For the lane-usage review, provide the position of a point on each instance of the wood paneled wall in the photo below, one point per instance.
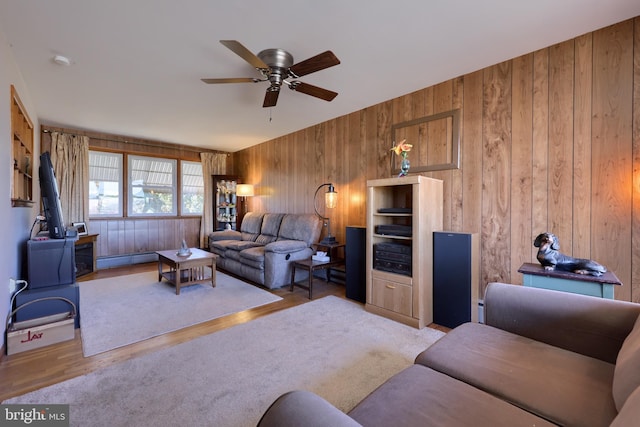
(550, 141)
(130, 236)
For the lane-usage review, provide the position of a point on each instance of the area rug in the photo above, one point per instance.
(330, 346)
(118, 311)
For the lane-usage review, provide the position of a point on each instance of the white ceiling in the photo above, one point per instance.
(137, 64)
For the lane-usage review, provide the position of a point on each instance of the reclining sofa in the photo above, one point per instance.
(265, 246)
(542, 358)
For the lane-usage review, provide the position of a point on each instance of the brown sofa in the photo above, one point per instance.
(542, 358)
(266, 245)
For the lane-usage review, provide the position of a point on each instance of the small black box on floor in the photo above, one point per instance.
(49, 307)
(51, 262)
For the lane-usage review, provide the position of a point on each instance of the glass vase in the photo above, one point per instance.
(405, 164)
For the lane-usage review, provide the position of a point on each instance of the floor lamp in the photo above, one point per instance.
(330, 201)
(244, 191)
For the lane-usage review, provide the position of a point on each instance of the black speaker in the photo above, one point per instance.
(355, 263)
(455, 276)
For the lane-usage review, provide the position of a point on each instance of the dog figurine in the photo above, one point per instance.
(551, 259)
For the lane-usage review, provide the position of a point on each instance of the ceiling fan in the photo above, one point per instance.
(276, 66)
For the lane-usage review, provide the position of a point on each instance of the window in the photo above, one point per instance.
(192, 188)
(152, 186)
(105, 184)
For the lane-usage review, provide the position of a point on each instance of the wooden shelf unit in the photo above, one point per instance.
(22, 153)
(225, 203)
(404, 298)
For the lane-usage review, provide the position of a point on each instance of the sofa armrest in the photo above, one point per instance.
(588, 325)
(278, 257)
(285, 246)
(225, 235)
(303, 408)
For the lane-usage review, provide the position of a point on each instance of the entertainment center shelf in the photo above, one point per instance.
(402, 214)
(389, 218)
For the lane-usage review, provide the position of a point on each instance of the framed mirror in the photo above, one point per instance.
(435, 140)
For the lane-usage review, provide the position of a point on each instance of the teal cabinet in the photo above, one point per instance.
(534, 275)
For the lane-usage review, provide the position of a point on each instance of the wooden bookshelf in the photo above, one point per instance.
(22, 153)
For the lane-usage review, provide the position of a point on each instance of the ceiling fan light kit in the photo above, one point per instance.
(276, 66)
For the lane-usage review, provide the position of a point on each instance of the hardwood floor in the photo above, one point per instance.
(31, 370)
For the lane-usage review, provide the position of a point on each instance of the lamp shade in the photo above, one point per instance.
(244, 190)
(330, 201)
(331, 198)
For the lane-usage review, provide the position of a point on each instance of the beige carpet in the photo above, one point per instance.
(330, 346)
(118, 311)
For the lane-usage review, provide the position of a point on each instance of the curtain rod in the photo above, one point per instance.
(146, 144)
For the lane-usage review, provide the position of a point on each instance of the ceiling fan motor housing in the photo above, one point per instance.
(279, 61)
(279, 58)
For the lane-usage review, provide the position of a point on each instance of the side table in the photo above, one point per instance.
(536, 276)
(333, 250)
(310, 265)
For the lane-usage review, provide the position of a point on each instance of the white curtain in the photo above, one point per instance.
(212, 164)
(70, 158)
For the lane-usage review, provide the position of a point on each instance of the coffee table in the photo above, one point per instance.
(187, 270)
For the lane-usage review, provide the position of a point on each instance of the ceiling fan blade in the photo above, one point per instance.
(316, 63)
(271, 97)
(231, 80)
(244, 53)
(312, 90)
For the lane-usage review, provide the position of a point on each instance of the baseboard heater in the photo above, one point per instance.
(123, 260)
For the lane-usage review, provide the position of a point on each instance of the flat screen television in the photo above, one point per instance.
(51, 198)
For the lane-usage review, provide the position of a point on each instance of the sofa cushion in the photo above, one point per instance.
(304, 227)
(225, 235)
(234, 255)
(419, 396)
(241, 245)
(630, 412)
(562, 386)
(253, 257)
(251, 225)
(286, 246)
(627, 373)
(270, 227)
(265, 239)
(219, 247)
